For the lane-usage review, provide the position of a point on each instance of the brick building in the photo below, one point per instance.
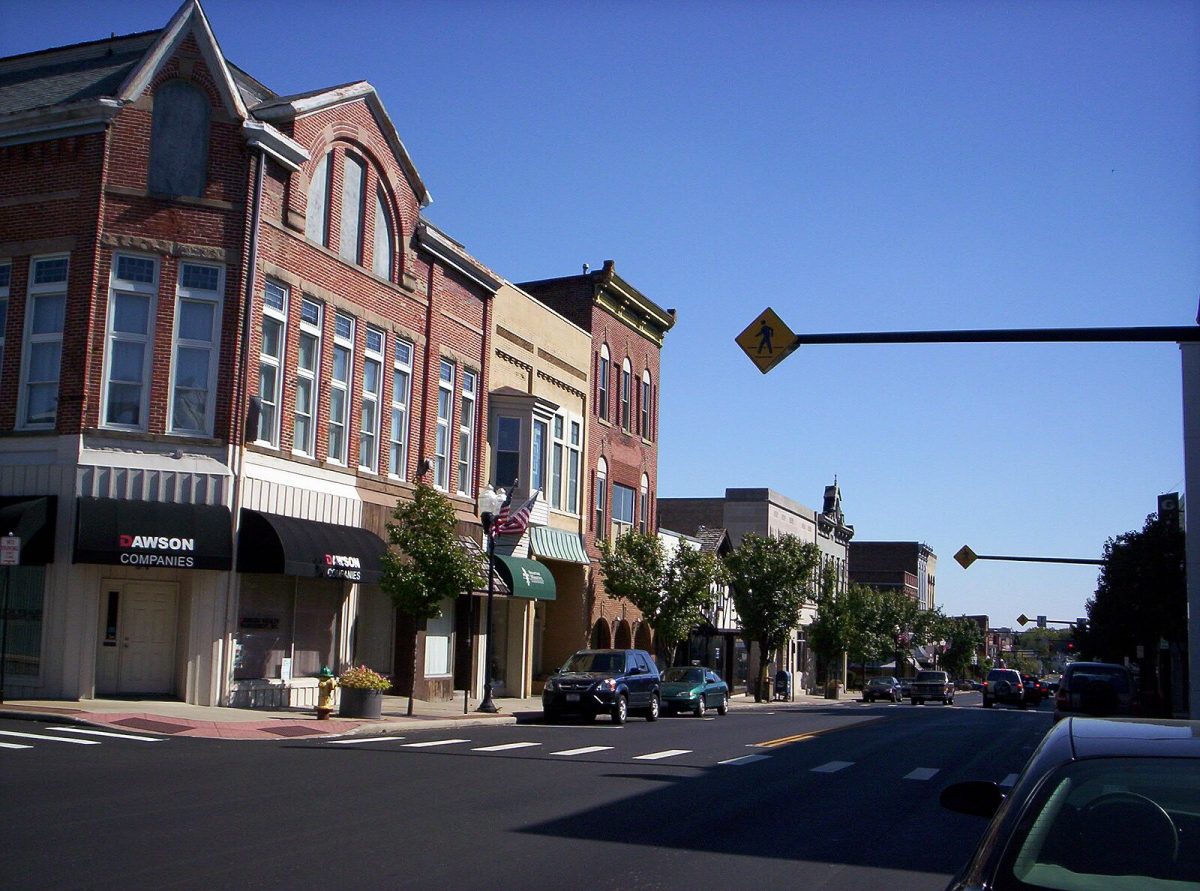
(627, 331)
(232, 344)
(907, 567)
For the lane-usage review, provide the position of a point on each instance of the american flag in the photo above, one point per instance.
(510, 522)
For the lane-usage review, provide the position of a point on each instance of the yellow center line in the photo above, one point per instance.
(801, 737)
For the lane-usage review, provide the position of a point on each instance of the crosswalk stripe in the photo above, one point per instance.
(922, 773)
(745, 759)
(586, 750)
(89, 732)
(435, 742)
(506, 747)
(356, 741)
(4, 745)
(77, 742)
(832, 766)
(656, 756)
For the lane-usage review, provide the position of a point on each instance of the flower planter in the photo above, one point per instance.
(356, 703)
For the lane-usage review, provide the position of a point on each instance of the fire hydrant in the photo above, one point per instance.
(325, 688)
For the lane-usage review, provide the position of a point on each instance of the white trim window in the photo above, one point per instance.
(507, 464)
(5, 279)
(574, 461)
(308, 371)
(602, 383)
(558, 454)
(401, 397)
(196, 348)
(270, 360)
(601, 520)
(339, 386)
(129, 342)
(644, 505)
(622, 508)
(537, 456)
(41, 362)
(466, 434)
(626, 395)
(645, 405)
(372, 390)
(445, 408)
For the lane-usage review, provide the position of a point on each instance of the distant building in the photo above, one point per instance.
(903, 566)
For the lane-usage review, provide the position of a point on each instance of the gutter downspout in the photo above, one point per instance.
(238, 446)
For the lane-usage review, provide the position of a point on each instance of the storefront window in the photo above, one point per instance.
(437, 641)
(24, 653)
(286, 617)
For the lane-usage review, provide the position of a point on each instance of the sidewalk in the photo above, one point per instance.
(172, 718)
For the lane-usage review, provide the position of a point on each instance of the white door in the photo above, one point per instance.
(146, 638)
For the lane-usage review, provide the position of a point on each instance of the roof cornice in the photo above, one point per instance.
(286, 151)
(56, 122)
(452, 254)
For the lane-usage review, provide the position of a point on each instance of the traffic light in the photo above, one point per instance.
(1169, 509)
(1070, 646)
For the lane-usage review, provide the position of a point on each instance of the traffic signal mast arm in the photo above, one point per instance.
(1143, 334)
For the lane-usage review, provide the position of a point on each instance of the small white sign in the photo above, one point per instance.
(10, 550)
(285, 669)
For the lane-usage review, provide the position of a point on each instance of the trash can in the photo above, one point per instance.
(783, 685)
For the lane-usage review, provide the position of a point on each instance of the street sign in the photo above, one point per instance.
(1022, 620)
(965, 557)
(767, 340)
(10, 550)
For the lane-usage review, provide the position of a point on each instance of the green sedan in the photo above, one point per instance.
(693, 689)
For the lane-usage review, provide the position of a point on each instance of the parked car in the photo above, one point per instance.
(930, 685)
(1094, 688)
(1102, 803)
(613, 682)
(882, 688)
(905, 687)
(1035, 690)
(1003, 685)
(694, 689)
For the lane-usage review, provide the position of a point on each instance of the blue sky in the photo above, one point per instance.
(857, 166)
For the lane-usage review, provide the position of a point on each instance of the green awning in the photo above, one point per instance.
(525, 578)
(557, 544)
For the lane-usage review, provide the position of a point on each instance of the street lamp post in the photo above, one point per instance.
(489, 503)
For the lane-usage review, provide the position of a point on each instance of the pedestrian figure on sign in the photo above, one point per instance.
(765, 333)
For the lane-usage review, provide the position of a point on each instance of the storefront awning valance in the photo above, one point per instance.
(475, 550)
(557, 544)
(153, 534)
(31, 520)
(526, 578)
(277, 544)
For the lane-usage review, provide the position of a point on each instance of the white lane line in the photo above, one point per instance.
(586, 750)
(1009, 780)
(505, 747)
(435, 742)
(355, 742)
(745, 759)
(832, 767)
(89, 732)
(668, 753)
(922, 773)
(78, 742)
(14, 746)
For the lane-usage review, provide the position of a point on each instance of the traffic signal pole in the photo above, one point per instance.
(1190, 353)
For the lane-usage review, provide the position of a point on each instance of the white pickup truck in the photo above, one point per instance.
(931, 685)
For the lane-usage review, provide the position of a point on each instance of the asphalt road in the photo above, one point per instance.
(837, 797)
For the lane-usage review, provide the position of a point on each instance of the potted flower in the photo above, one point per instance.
(362, 692)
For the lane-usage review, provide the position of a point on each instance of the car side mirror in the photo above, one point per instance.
(978, 798)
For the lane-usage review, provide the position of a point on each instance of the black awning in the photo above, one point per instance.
(153, 534)
(288, 545)
(32, 520)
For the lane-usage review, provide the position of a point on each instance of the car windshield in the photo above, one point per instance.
(1100, 819)
(685, 675)
(595, 662)
(1114, 676)
(881, 682)
(930, 676)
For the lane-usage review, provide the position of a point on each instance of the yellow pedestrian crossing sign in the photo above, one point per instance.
(767, 340)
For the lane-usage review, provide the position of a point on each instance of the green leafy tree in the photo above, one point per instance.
(672, 595)
(426, 564)
(964, 640)
(772, 578)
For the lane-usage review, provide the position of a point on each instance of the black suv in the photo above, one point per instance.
(1004, 685)
(615, 682)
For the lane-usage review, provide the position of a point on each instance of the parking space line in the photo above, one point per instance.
(922, 773)
(4, 745)
(668, 753)
(505, 747)
(586, 750)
